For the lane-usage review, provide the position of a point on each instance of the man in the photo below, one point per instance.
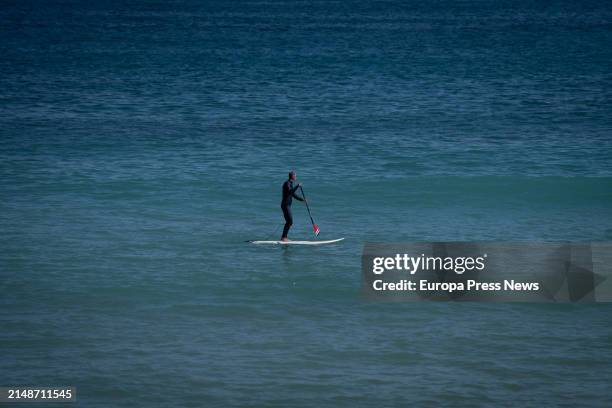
(288, 194)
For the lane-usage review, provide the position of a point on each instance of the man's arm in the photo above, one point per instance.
(293, 190)
(297, 197)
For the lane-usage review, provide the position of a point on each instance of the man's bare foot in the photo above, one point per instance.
(284, 239)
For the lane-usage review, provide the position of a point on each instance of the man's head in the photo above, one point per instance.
(292, 175)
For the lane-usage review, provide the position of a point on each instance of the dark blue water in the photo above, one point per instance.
(142, 142)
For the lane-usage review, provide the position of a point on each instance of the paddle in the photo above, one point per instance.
(315, 228)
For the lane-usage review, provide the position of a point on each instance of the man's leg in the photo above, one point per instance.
(288, 221)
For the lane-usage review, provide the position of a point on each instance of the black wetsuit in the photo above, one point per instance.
(288, 196)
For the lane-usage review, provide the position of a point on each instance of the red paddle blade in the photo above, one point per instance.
(315, 228)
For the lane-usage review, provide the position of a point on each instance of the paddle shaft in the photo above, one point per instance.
(307, 207)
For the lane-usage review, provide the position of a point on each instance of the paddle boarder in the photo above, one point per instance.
(289, 194)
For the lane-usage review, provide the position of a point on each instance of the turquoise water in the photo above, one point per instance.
(142, 143)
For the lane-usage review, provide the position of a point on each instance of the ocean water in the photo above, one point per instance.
(142, 142)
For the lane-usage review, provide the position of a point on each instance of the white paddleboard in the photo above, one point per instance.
(296, 242)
